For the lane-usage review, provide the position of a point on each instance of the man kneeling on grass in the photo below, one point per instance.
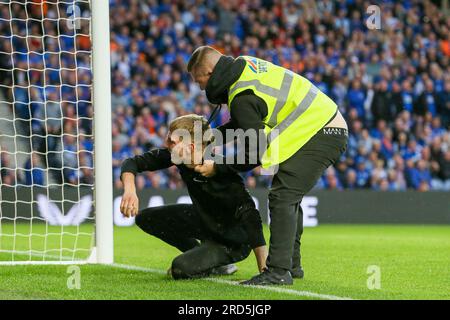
(222, 225)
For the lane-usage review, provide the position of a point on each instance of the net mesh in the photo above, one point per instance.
(46, 139)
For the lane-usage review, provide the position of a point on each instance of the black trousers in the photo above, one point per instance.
(296, 177)
(179, 225)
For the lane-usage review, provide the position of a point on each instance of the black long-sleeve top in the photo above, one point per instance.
(223, 203)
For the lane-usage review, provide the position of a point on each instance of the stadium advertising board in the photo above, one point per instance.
(72, 206)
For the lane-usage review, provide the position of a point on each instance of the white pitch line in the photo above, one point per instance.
(222, 281)
(136, 268)
(236, 283)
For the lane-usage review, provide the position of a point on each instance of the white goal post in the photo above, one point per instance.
(56, 189)
(102, 128)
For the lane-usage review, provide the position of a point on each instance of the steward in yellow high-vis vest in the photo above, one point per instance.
(303, 129)
(297, 110)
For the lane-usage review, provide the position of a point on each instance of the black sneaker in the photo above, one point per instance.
(225, 270)
(270, 277)
(297, 273)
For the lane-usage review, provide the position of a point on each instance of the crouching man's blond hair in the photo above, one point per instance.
(191, 123)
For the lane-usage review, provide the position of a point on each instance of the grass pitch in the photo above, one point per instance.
(414, 263)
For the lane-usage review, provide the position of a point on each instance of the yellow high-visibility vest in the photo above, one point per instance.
(297, 109)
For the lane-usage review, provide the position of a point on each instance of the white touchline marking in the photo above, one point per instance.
(236, 283)
(233, 283)
(136, 268)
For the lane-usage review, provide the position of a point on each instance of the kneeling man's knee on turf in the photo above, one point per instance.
(181, 268)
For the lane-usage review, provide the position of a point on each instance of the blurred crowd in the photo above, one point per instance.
(45, 72)
(392, 84)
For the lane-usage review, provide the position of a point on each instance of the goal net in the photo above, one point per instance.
(50, 141)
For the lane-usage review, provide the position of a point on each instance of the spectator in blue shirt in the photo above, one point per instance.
(351, 180)
(407, 96)
(362, 174)
(34, 171)
(419, 174)
(356, 97)
(427, 101)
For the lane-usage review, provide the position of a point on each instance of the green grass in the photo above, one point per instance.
(68, 241)
(414, 263)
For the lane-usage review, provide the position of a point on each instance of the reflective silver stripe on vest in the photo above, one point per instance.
(282, 97)
(297, 112)
(280, 94)
(273, 92)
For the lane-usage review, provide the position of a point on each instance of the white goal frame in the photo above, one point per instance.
(101, 68)
(103, 251)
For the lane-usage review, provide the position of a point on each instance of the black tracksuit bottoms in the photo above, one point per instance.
(296, 177)
(179, 225)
